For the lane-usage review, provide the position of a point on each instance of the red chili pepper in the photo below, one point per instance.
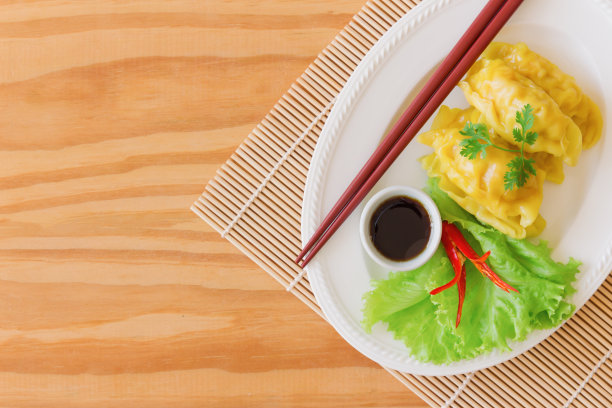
(461, 290)
(457, 261)
(479, 261)
(458, 249)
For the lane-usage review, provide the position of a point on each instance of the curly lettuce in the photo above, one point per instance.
(491, 317)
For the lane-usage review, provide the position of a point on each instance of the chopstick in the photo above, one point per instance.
(467, 50)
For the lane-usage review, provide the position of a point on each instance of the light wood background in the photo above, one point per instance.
(113, 116)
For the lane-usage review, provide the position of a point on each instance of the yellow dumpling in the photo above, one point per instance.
(560, 86)
(499, 91)
(478, 185)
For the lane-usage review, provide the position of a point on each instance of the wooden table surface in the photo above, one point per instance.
(113, 116)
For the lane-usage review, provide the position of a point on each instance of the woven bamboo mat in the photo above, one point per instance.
(255, 202)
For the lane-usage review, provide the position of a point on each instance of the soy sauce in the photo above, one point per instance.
(400, 228)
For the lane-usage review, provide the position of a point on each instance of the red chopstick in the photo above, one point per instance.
(414, 118)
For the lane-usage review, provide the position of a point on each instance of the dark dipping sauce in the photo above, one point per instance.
(400, 228)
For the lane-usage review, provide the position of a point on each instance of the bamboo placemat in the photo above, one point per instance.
(255, 202)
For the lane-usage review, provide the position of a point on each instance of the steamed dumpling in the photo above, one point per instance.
(560, 86)
(498, 92)
(497, 86)
(478, 185)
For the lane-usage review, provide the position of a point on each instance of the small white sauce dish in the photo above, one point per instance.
(434, 237)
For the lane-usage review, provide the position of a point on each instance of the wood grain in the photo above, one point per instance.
(113, 116)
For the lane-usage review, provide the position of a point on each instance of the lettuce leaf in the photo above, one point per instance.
(491, 317)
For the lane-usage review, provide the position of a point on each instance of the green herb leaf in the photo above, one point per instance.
(515, 176)
(477, 142)
(530, 137)
(475, 130)
(518, 136)
(528, 166)
(472, 147)
(519, 168)
(525, 117)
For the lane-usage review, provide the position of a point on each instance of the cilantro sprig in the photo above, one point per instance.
(478, 140)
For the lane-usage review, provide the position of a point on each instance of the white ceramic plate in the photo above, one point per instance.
(573, 34)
